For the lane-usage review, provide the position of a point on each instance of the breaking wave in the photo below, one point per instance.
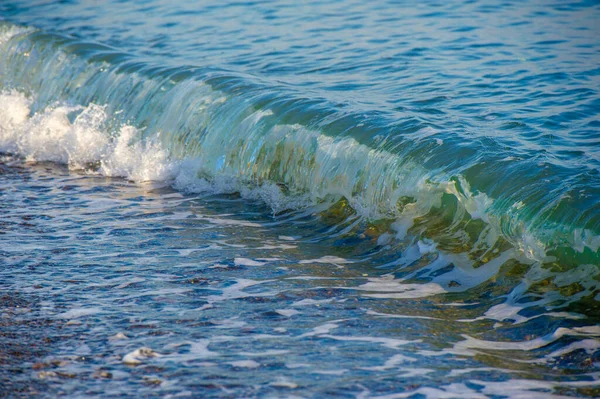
(204, 130)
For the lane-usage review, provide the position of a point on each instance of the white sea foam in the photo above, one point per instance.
(392, 363)
(287, 312)
(10, 31)
(334, 260)
(463, 275)
(471, 346)
(319, 330)
(521, 388)
(247, 262)
(248, 364)
(194, 350)
(138, 356)
(79, 312)
(137, 160)
(74, 135)
(586, 238)
(392, 343)
(475, 204)
(588, 345)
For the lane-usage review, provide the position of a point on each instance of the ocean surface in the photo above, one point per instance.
(318, 199)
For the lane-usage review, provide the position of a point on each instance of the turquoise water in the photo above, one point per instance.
(329, 199)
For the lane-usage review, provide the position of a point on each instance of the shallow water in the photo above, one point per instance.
(332, 199)
(238, 303)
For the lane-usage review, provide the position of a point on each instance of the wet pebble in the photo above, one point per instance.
(46, 374)
(102, 374)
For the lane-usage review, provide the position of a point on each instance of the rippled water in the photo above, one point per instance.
(328, 199)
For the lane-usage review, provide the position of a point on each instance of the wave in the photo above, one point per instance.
(201, 129)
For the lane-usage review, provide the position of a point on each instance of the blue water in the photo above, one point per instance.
(328, 199)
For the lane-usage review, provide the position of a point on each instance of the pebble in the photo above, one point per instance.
(38, 366)
(102, 374)
(151, 380)
(46, 374)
